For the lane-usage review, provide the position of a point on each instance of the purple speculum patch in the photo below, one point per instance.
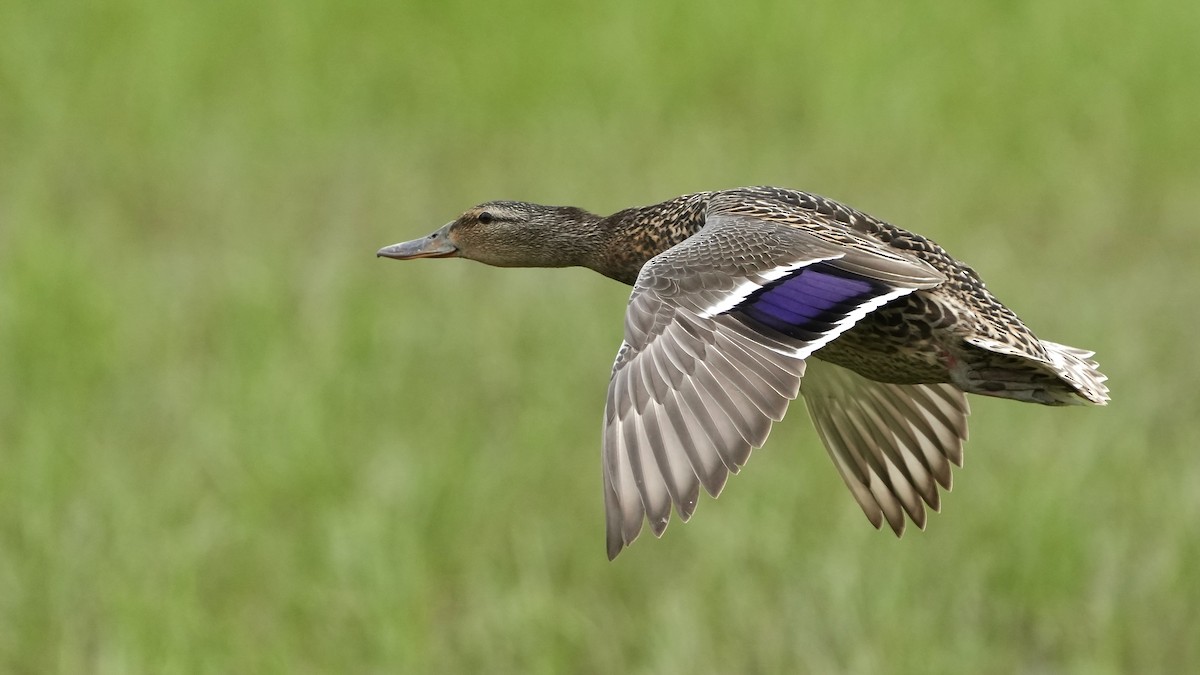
(810, 301)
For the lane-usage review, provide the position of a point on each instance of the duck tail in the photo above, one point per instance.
(1077, 368)
(1061, 375)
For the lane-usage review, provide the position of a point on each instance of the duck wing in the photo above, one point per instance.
(716, 336)
(892, 444)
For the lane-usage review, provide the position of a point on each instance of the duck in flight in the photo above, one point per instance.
(745, 299)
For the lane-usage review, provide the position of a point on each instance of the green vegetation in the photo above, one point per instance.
(232, 441)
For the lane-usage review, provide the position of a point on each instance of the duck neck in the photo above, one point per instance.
(627, 240)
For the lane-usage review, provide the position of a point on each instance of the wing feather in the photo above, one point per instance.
(892, 444)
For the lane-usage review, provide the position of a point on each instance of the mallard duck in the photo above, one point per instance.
(744, 299)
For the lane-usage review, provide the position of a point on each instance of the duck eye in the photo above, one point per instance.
(486, 217)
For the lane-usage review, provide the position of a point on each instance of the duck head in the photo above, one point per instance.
(508, 234)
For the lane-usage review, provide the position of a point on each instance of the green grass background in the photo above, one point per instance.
(232, 441)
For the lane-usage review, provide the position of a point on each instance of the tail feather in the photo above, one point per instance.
(1077, 368)
(1062, 376)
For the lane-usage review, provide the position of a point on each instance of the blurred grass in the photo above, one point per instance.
(234, 442)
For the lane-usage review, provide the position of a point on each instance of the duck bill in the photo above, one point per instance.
(436, 245)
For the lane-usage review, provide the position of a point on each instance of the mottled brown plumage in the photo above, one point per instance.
(733, 292)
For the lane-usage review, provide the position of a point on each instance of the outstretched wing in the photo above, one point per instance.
(893, 444)
(716, 335)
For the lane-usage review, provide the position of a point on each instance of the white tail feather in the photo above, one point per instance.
(1076, 367)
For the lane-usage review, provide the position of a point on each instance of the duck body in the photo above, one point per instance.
(744, 299)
